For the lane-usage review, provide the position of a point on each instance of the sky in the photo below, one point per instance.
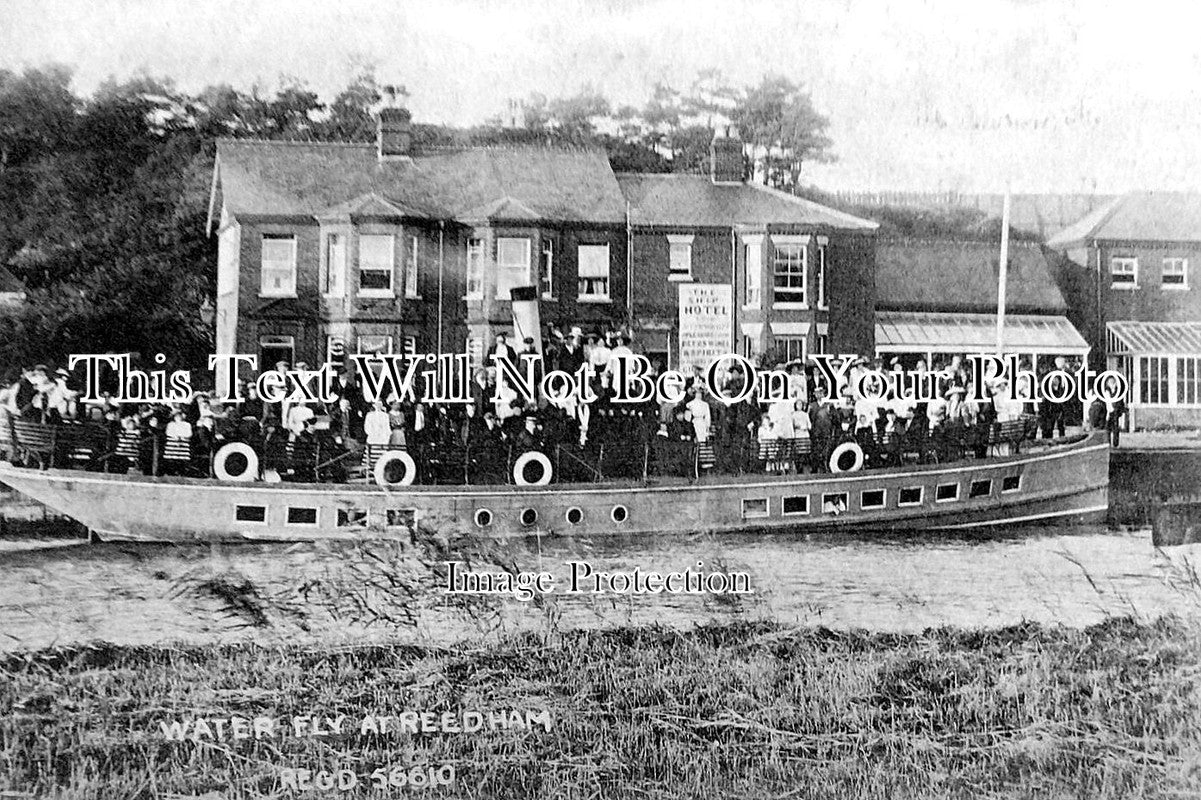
(922, 95)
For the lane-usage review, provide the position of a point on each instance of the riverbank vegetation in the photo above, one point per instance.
(744, 710)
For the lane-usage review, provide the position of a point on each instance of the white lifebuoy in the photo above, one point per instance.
(393, 457)
(843, 449)
(523, 461)
(250, 473)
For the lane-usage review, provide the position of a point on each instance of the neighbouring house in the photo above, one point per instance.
(935, 298)
(794, 277)
(327, 249)
(1126, 269)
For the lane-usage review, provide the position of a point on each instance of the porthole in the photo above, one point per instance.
(483, 518)
(620, 514)
(529, 517)
(574, 515)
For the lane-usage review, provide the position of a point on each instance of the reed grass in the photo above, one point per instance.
(749, 710)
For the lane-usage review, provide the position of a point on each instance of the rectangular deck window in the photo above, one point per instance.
(754, 507)
(872, 498)
(946, 492)
(979, 489)
(1011, 483)
(302, 516)
(796, 504)
(352, 517)
(834, 502)
(250, 513)
(910, 496)
(402, 518)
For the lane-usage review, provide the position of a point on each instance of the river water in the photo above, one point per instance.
(143, 594)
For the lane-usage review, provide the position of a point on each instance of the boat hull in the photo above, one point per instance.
(1060, 483)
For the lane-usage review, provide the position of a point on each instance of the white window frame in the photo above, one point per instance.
(753, 282)
(1165, 379)
(785, 344)
(335, 268)
(788, 243)
(1129, 266)
(288, 290)
(411, 268)
(512, 268)
(823, 302)
(474, 286)
(390, 269)
(1175, 261)
(593, 297)
(1181, 381)
(883, 500)
(804, 513)
(546, 270)
(679, 243)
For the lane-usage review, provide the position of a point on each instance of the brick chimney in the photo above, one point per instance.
(726, 162)
(394, 134)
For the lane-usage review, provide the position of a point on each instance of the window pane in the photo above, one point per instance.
(374, 279)
(789, 273)
(512, 252)
(375, 262)
(335, 263)
(821, 276)
(754, 274)
(375, 252)
(512, 266)
(475, 267)
(411, 271)
(546, 270)
(278, 265)
(681, 259)
(594, 270)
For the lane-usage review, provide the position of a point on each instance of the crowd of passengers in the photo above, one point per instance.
(794, 434)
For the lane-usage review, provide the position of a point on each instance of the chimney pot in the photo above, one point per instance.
(394, 132)
(726, 161)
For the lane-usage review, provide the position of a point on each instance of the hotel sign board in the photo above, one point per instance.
(706, 323)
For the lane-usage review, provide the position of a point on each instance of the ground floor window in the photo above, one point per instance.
(791, 348)
(1153, 380)
(274, 349)
(1188, 380)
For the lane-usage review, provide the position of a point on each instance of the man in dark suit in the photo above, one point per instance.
(500, 349)
(821, 430)
(571, 354)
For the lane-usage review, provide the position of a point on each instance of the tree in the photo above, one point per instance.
(37, 112)
(350, 113)
(777, 117)
(575, 117)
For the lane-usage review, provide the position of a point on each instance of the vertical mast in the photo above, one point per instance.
(1003, 274)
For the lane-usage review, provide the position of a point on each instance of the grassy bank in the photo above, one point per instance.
(740, 711)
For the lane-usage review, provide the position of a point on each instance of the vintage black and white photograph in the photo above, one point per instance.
(609, 399)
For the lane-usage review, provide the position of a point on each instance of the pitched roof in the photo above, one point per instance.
(944, 275)
(1157, 337)
(909, 331)
(309, 178)
(672, 200)
(1137, 216)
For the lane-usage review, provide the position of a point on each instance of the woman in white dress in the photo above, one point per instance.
(700, 414)
(377, 426)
